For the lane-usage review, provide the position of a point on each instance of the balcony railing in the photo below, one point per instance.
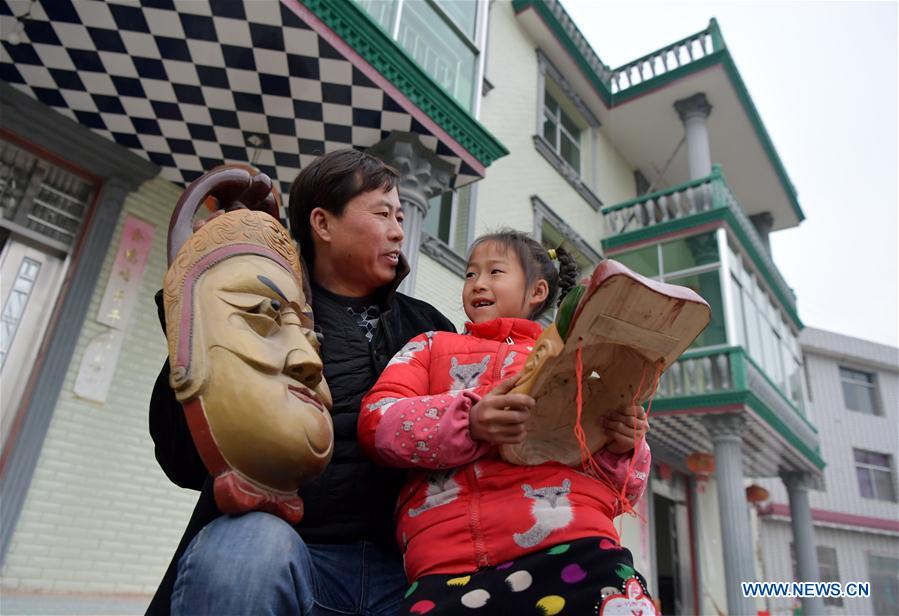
(722, 370)
(698, 373)
(674, 56)
(699, 378)
(689, 199)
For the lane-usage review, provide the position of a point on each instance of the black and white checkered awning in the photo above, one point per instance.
(190, 84)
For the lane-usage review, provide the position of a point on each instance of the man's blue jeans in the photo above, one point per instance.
(257, 564)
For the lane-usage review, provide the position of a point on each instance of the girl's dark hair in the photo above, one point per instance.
(330, 182)
(536, 264)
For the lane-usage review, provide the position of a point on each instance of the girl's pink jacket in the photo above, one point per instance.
(466, 508)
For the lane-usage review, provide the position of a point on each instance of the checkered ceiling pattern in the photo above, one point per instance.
(192, 84)
(764, 455)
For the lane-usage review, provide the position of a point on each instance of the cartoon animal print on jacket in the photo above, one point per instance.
(467, 376)
(551, 510)
(510, 359)
(381, 405)
(405, 354)
(442, 489)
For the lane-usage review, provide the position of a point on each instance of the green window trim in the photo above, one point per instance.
(361, 32)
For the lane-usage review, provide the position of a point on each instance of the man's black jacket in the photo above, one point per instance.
(353, 499)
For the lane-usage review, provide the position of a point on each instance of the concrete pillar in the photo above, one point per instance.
(803, 537)
(694, 113)
(726, 433)
(763, 224)
(423, 175)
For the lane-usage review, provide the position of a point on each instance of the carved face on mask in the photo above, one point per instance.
(245, 362)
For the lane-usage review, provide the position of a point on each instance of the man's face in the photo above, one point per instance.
(264, 398)
(366, 239)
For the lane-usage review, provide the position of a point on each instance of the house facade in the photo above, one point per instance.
(853, 386)
(497, 114)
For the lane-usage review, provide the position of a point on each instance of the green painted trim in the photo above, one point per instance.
(656, 194)
(767, 378)
(719, 211)
(664, 228)
(747, 398)
(707, 351)
(558, 30)
(668, 77)
(771, 418)
(720, 398)
(760, 264)
(351, 23)
(736, 81)
(738, 369)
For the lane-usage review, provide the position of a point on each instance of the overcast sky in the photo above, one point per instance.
(823, 78)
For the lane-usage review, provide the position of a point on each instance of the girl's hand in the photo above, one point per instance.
(626, 427)
(499, 417)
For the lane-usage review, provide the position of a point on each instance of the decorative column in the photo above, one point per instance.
(726, 433)
(803, 536)
(694, 113)
(423, 175)
(763, 224)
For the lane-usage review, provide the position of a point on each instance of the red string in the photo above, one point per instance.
(589, 464)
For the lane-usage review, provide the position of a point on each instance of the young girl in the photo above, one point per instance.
(475, 530)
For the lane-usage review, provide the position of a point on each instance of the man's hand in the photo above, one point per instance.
(499, 417)
(625, 427)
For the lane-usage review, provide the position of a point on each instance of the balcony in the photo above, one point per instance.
(689, 205)
(663, 62)
(778, 435)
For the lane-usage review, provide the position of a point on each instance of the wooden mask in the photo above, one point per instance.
(245, 361)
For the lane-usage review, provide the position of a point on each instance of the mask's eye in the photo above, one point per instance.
(265, 317)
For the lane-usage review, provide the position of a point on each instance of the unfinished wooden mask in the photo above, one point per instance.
(244, 359)
(627, 329)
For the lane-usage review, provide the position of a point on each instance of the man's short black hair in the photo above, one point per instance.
(330, 182)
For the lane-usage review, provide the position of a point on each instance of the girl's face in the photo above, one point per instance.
(495, 285)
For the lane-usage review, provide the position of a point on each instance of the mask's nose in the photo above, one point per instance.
(304, 366)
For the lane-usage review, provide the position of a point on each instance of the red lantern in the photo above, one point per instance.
(756, 494)
(701, 464)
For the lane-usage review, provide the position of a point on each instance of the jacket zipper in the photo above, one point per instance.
(474, 519)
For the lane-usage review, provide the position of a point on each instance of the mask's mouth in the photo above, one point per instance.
(306, 396)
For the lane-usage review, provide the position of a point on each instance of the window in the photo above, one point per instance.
(561, 132)
(41, 201)
(691, 262)
(762, 329)
(448, 218)
(827, 568)
(859, 392)
(440, 35)
(883, 573)
(875, 475)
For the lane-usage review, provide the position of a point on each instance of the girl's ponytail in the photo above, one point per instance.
(568, 273)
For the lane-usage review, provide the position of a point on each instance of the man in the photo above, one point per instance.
(342, 557)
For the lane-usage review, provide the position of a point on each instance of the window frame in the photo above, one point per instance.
(872, 468)
(584, 186)
(475, 43)
(559, 119)
(888, 575)
(872, 387)
(544, 213)
(832, 570)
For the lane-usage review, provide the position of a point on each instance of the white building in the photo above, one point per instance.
(853, 389)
